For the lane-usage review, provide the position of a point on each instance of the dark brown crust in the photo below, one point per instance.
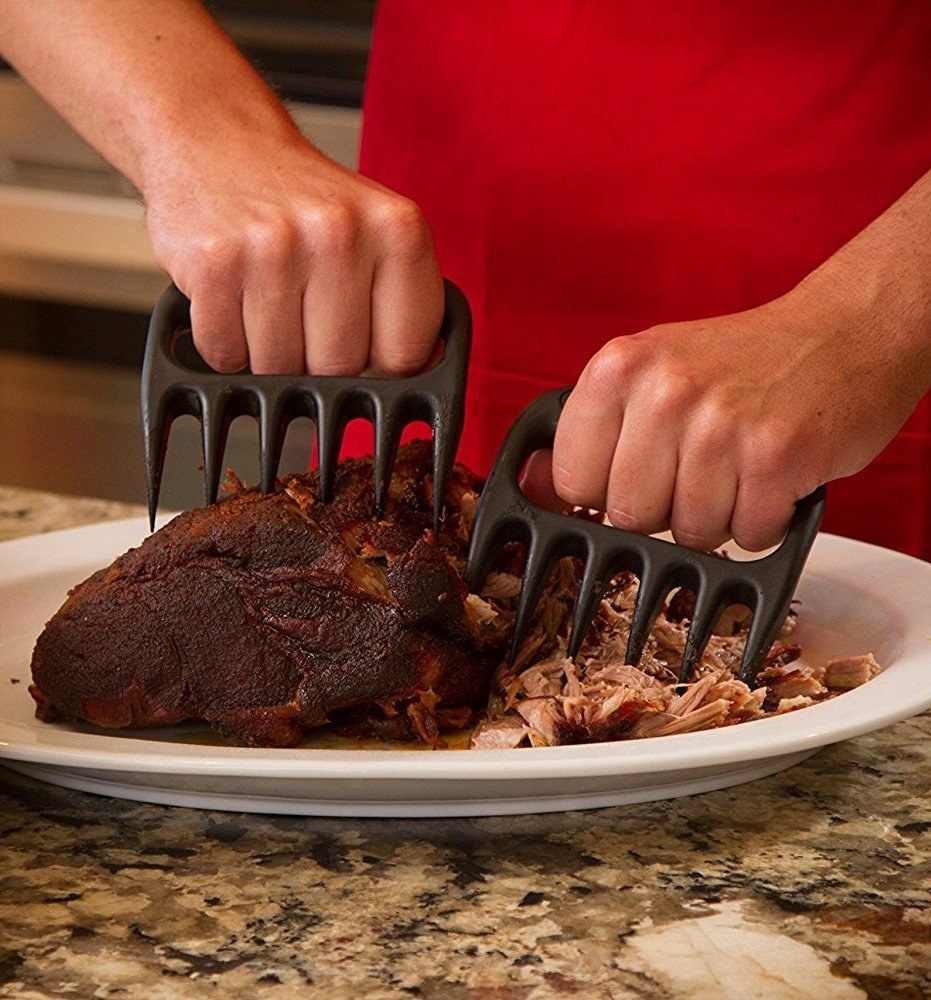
(265, 614)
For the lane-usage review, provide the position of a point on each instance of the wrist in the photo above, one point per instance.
(877, 290)
(197, 149)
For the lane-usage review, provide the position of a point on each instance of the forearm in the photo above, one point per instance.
(145, 82)
(877, 290)
(740, 416)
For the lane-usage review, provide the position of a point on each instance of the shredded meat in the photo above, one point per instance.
(545, 699)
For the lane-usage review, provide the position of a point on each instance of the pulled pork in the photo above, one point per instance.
(546, 699)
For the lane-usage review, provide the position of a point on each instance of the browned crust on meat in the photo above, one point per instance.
(263, 615)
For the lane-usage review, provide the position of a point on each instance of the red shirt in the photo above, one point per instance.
(594, 167)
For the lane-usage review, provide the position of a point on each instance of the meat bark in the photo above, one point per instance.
(266, 616)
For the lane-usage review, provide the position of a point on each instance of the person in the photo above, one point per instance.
(714, 220)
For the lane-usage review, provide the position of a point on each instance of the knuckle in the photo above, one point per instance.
(607, 367)
(336, 225)
(221, 355)
(663, 384)
(335, 228)
(670, 388)
(772, 453)
(569, 485)
(756, 537)
(212, 262)
(344, 366)
(696, 538)
(404, 228)
(271, 242)
(623, 517)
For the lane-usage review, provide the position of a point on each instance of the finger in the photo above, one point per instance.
(271, 301)
(407, 299)
(761, 517)
(271, 312)
(218, 331)
(643, 475)
(338, 317)
(407, 311)
(583, 447)
(703, 501)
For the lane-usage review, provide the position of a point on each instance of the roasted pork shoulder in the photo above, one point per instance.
(270, 615)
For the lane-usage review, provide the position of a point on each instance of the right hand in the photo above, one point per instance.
(295, 264)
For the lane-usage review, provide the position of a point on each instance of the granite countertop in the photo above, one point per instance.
(815, 882)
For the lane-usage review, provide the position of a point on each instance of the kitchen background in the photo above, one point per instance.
(78, 280)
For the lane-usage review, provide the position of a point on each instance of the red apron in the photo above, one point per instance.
(596, 167)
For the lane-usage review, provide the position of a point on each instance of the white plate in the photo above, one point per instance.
(855, 598)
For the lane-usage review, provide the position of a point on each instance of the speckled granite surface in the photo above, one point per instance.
(30, 512)
(813, 883)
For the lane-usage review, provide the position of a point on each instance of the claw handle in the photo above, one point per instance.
(767, 582)
(176, 381)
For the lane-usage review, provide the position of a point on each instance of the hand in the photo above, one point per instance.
(291, 262)
(294, 263)
(716, 428)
